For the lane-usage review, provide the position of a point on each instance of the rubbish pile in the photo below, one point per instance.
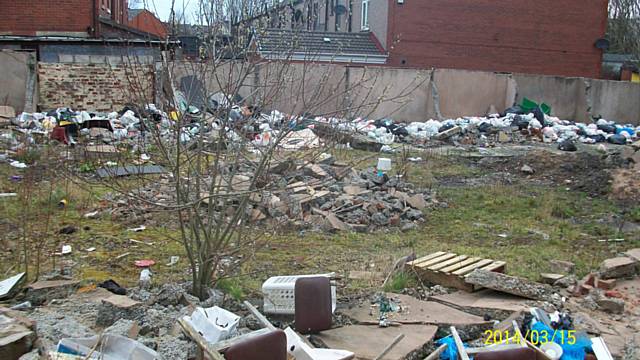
(508, 318)
(325, 195)
(526, 121)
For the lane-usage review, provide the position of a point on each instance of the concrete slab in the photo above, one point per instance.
(42, 291)
(482, 302)
(416, 311)
(130, 170)
(618, 267)
(367, 342)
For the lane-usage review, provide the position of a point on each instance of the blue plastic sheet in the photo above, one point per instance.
(451, 353)
(574, 351)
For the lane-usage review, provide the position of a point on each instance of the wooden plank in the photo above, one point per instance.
(425, 258)
(497, 266)
(200, 340)
(446, 280)
(436, 354)
(390, 347)
(467, 269)
(490, 348)
(516, 330)
(426, 264)
(263, 320)
(455, 260)
(459, 265)
(462, 353)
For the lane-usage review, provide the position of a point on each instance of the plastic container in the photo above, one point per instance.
(279, 294)
(552, 350)
(384, 164)
(214, 323)
(106, 347)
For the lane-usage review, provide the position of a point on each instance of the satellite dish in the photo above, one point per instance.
(602, 44)
(341, 9)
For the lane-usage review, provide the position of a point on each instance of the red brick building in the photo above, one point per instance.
(144, 20)
(540, 37)
(68, 18)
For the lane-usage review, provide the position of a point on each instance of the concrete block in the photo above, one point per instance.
(618, 267)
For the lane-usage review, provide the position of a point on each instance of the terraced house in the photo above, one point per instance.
(541, 37)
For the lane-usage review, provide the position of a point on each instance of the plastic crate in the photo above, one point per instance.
(279, 294)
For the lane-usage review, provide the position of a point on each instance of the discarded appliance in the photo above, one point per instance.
(279, 294)
(269, 346)
(214, 323)
(106, 347)
(313, 304)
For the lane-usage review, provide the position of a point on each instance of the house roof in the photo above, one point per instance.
(134, 12)
(129, 30)
(320, 46)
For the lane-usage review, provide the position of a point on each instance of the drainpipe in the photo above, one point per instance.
(94, 21)
(326, 15)
(114, 13)
(350, 15)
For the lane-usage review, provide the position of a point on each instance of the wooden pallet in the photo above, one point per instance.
(449, 269)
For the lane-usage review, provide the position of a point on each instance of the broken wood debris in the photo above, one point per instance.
(450, 270)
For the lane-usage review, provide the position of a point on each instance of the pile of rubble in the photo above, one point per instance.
(327, 196)
(591, 319)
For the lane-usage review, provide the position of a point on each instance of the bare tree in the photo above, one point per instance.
(225, 150)
(624, 27)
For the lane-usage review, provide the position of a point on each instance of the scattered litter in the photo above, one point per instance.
(22, 306)
(7, 286)
(66, 250)
(214, 323)
(610, 240)
(18, 164)
(107, 347)
(145, 278)
(301, 351)
(138, 229)
(173, 260)
(113, 287)
(144, 263)
(91, 215)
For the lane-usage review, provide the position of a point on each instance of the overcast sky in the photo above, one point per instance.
(163, 7)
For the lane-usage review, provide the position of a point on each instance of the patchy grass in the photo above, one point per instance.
(400, 281)
(522, 224)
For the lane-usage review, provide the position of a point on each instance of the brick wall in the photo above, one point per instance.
(34, 17)
(94, 87)
(542, 37)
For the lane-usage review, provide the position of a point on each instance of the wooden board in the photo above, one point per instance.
(449, 269)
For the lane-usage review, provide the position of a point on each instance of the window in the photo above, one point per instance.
(364, 21)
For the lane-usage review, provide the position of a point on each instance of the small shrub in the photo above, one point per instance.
(400, 281)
